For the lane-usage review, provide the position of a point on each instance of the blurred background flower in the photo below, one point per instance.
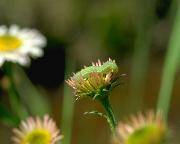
(143, 129)
(16, 45)
(37, 131)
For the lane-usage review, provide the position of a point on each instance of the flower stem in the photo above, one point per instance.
(110, 114)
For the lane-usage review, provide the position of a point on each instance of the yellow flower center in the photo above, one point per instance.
(39, 136)
(151, 134)
(9, 43)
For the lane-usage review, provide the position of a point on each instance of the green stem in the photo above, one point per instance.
(170, 67)
(68, 102)
(109, 111)
(16, 105)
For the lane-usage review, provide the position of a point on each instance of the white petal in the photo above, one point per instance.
(36, 52)
(3, 30)
(25, 61)
(1, 60)
(10, 56)
(14, 29)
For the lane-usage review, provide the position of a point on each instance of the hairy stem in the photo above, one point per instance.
(110, 114)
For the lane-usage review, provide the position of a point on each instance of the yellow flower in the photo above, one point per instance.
(16, 45)
(148, 129)
(37, 131)
(94, 81)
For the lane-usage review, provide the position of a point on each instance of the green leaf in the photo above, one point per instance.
(96, 113)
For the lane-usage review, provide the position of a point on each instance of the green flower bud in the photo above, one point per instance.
(94, 81)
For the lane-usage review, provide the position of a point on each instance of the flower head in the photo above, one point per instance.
(94, 81)
(37, 131)
(149, 129)
(16, 45)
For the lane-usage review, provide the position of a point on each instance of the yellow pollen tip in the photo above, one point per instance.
(38, 136)
(9, 43)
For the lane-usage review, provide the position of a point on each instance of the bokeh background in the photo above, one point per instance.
(135, 33)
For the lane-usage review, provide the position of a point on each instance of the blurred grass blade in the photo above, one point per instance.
(16, 105)
(7, 117)
(35, 102)
(141, 53)
(171, 65)
(68, 102)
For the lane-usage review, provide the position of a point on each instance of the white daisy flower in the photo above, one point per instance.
(37, 131)
(17, 45)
